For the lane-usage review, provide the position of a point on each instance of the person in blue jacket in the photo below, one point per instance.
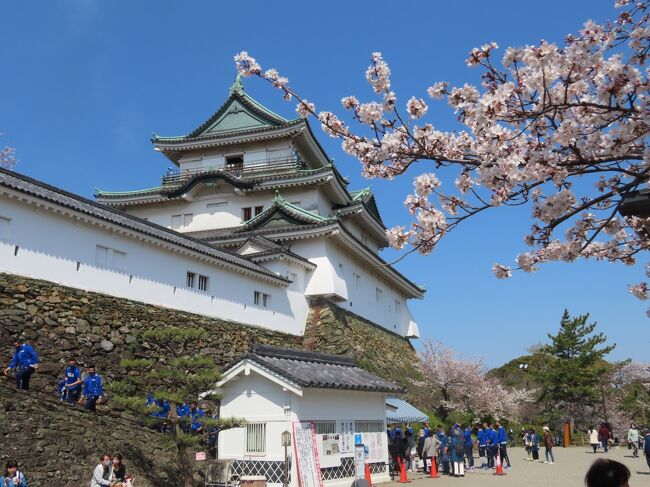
(444, 451)
(646, 446)
(468, 443)
(13, 477)
(196, 413)
(25, 361)
(93, 388)
(491, 445)
(503, 445)
(482, 443)
(73, 382)
(183, 413)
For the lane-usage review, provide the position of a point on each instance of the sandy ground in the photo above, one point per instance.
(569, 469)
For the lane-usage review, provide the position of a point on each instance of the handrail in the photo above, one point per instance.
(174, 177)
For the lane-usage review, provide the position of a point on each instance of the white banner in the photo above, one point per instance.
(347, 437)
(307, 464)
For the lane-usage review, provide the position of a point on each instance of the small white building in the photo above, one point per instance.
(279, 390)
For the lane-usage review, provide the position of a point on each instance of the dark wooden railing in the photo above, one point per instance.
(269, 166)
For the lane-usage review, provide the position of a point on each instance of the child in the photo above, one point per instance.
(446, 460)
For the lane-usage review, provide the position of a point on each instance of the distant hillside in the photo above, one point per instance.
(512, 375)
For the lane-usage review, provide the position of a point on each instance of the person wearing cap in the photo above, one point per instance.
(548, 445)
(25, 361)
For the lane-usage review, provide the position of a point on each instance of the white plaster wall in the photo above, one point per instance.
(227, 216)
(60, 249)
(362, 300)
(258, 399)
(253, 154)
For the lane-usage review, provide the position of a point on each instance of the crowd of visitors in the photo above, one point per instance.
(451, 452)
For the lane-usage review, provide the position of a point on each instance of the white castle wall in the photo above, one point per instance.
(42, 244)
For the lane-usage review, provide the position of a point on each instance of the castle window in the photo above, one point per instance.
(246, 214)
(357, 280)
(258, 210)
(379, 295)
(190, 279)
(325, 427)
(187, 219)
(111, 258)
(203, 283)
(369, 426)
(216, 207)
(177, 222)
(235, 162)
(4, 229)
(261, 299)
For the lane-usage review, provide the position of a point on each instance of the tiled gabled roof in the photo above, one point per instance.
(60, 197)
(317, 370)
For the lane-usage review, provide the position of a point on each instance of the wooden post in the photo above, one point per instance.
(567, 434)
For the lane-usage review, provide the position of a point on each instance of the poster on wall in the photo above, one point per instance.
(307, 462)
(374, 443)
(347, 437)
(329, 450)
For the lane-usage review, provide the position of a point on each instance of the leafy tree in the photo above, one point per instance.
(177, 378)
(559, 127)
(571, 377)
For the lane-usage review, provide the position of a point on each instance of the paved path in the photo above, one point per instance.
(569, 469)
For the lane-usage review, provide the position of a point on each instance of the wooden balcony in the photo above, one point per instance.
(286, 165)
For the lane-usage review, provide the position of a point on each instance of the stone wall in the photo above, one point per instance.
(95, 328)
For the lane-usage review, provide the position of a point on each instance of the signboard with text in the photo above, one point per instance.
(307, 462)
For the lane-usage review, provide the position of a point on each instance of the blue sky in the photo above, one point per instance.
(84, 83)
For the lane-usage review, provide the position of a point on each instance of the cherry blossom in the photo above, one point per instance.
(7, 158)
(559, 128)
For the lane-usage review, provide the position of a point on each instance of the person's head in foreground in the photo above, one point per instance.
(607, 473)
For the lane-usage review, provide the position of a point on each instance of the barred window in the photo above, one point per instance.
(256, 438)
(203, 283)
(368, 426)
(189, 281)
(325, 427)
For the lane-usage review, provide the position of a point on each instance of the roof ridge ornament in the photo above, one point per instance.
(238, 85)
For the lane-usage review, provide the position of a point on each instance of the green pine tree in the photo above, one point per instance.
(180, 377)
(570, 378)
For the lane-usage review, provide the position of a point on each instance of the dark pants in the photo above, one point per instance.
(91, 403)
(535, 454)
(23, 375)
(647, 459)
(594, 446)
(72, 396)
(469, 454)
(491, 453)
(605, 444)
(503, 452)
(424, 466)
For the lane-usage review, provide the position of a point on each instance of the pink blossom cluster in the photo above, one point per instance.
(7, 157)
(457, 384)
(562, 129)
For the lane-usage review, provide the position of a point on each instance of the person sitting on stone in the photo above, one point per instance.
(92, 388)
(119, 471)
(13, 477)
(73, 382)
(103, 473)
(25, 361)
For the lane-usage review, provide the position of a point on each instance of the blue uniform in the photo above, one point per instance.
(469, 447)
(183, 410)
(93, 389)
(196, 423)
(492, 442)
(72, 375)
(502, 436)
(25, 361)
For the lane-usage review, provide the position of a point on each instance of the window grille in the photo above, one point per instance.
(266, 300)
(111, 258)
(378, 295)
(246, 214)
(369, 426)
(189, 282)
(4, 228)
(203, 283)
(258, 210)
(256, 438)
(257, 297)
(325, 427)
(187, 219)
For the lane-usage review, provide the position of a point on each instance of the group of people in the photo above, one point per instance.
(73, 388)
(531, 442)
(111, 472)
(453, 452)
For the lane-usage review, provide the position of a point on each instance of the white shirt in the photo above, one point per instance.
(98, 479)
